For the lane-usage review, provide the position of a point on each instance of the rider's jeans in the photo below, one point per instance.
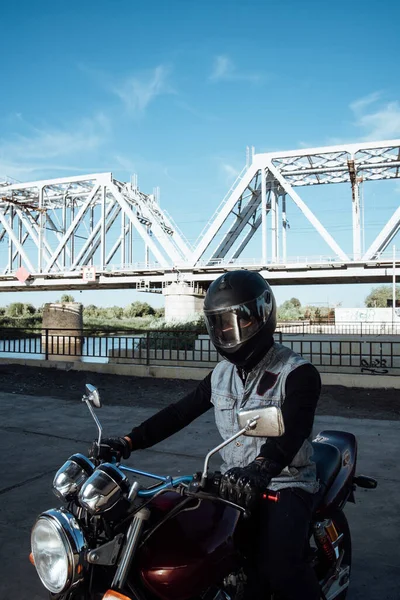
(279, 540)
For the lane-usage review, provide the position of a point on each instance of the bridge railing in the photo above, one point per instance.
(374, 356)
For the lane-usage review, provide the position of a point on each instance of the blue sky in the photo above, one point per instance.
(175, 91)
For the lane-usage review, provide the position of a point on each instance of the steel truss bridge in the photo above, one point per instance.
(88, 231)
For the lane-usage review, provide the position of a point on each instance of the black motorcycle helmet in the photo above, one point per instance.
(240, 315)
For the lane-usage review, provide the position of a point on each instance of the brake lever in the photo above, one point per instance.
(206, 496)
(95, 453)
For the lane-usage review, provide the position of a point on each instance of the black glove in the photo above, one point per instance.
(243, 485)
(110, 448)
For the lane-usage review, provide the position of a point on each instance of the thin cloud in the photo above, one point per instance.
(204, 116)
(126, 164)
(138, 92)
(45, 149)
(230, 171)
(303, 144)
(228, 167)
(224, 69)
(21, 172)
(135, 164)
(382, 124)
(358, 106)
(377, 121)
(51, 143)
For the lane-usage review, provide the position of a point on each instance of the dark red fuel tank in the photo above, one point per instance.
(190, 551)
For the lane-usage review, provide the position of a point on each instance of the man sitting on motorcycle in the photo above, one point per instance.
(240, 314)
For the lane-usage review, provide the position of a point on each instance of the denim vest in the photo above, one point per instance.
(229, 395)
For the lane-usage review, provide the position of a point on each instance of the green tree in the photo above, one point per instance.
(296, 302)
(289, 311)
(115, 312)
(67, 298)
(379, 296)
(91, 310)
(15, 309)
(29, 309)
(138, 309)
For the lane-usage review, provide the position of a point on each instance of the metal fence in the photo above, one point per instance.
(141, 347)
(180, 348)
(340, 355)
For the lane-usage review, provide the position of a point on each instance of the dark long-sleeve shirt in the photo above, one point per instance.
(303, 387)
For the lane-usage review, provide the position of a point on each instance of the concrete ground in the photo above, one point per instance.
(38, 435)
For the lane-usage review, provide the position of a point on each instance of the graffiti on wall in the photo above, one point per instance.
(376, 366)
(366, 315)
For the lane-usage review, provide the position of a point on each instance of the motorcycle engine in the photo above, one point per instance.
(233, 588)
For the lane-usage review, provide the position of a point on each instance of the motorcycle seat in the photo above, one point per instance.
(328, 460)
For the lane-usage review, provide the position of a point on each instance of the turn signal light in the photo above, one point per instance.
(31, 559)
(111, 595)
(272, 497)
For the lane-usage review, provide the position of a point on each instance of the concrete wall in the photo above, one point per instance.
(68, 317)
(182, 302)
(65, 315)
(366, 315)
(168, 372)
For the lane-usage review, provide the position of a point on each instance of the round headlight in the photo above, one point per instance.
(58, 548)
(69, 479)
(104, 489)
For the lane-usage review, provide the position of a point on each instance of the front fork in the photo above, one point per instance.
(132, 540)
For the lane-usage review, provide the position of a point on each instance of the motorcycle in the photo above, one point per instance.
(116, 539)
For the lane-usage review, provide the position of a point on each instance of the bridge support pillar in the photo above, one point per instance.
(183, 301)
(62, 330)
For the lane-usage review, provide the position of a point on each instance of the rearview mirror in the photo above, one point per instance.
(92, 394)
(266, 422)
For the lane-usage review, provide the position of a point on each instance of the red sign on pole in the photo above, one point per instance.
(22, 274)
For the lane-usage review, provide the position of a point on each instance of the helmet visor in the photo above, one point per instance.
(230, 326)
